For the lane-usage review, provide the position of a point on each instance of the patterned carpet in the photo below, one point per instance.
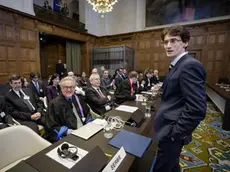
(210, 149)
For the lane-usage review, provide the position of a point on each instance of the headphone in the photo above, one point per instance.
(65, 152)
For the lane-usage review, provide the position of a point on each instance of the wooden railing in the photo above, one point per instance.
(52, 17)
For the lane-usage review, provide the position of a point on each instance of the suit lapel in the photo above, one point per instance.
(172, 72)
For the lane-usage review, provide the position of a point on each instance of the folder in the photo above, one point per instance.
(94, 161)
(133, 143)
(22, 166)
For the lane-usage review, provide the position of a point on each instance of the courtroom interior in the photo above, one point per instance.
(115, 85)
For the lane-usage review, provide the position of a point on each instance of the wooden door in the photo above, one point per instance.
(50, 54)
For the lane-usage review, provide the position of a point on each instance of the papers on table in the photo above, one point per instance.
(69, 163)
(147, 92)
(87, 130)
(126, 108)
(101, 122)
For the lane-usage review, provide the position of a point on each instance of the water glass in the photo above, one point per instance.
(108, 131)
(148, 110)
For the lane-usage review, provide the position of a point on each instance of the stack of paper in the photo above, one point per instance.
(126, 108)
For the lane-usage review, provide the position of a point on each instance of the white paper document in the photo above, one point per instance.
(126, 108)
(140, 97)
(87, 130)
(69, 163)
(147, 92)
(101, 122)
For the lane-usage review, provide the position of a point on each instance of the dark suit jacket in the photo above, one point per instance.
(60, 68)
(60, 113)
(123, 92)
(51, 92)
(41, 92)
(19, 109)
(118, 80)
(146, 87)
(95, 101)
(183, 103)
(7, 119)
(155, 80)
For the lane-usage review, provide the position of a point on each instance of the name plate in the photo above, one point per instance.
(116, 161)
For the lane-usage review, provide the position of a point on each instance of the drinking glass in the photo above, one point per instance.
(108, 131)
(148, 110)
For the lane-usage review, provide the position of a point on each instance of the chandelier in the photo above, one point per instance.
(102, 6)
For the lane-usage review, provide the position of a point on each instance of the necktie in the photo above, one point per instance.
(100, 93)
(37, 86)
(79, 123)
(21, 95)
(131, 88)
(27, 101)
(80, 107)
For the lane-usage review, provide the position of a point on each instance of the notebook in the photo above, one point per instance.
(87, 131)
(133, 143)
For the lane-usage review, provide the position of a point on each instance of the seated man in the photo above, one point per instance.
(127, 89)
(23, 105)
(119, 77)
(146, 82)
(36, 85)
(78, 89)
(106, 81)
(155, 77)
(66, 112)
(5, 119)
(98, 97)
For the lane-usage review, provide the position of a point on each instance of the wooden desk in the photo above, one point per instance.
(44, 164)
(221, 98)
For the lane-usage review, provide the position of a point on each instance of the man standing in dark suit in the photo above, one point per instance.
(60, 69)
(98, 97)
(127, 89)
(23, 105)
(183, 104)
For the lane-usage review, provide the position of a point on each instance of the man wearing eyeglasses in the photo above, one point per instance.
(23, 105)
(183, 103)
(66, 112)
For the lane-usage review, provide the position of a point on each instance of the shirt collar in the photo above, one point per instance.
(175, 60)
(95, 88)
(69, 99)
(34, 82)
(17, 92)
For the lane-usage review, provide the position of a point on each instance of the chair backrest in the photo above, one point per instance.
(18, 142)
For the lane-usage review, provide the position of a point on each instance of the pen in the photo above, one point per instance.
(108, 155)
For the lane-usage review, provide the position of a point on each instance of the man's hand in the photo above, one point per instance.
(35, 116)
(109, 97)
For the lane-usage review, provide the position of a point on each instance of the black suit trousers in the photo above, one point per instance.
(168, 156)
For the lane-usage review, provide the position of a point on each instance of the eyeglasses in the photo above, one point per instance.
(172, 41)
(68, 87)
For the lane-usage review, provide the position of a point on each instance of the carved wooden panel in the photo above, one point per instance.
(18, 45)
(2, 52)
(11, 52)
(222, 38)
(212, 39)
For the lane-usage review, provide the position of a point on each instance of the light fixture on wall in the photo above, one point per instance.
(102, 6)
